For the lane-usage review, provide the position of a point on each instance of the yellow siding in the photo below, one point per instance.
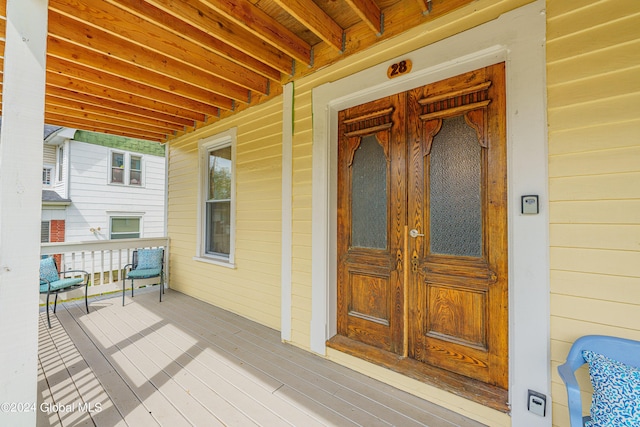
(252, 289)
(593, 64)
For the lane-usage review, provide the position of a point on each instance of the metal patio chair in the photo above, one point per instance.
(53, 281)
(145, 264)
(625, 370)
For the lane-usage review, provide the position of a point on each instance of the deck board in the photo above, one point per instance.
(185, 362)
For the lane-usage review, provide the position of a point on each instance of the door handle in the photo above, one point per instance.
(414, 233)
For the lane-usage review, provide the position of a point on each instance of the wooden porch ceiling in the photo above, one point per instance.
(156, 69)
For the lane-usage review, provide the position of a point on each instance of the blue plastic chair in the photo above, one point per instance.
(622, 350)
(145, 264)
(53, 282)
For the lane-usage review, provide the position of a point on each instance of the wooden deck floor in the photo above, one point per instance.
(185, 362)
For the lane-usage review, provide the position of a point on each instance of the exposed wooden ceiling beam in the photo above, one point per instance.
(115, 28)
(106, 64)
(207, 20)
(63, 100)
(125, 52)
(425, 5)
(98, 117)
(157, 69)
(185, 31)
(57, 119)
(257, 22)
(369, 12)
(314, 18)
(92, 81)
(134, 110)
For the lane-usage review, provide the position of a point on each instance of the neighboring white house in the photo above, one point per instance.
(100, 187)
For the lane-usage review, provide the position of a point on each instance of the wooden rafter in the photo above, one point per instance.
(116, 31)
(86, 80)
(425, 5)
(257, 22)
(197, 36)
(157, 69)
(212, 23)
(314, 18)
(369, 12)
(108, 64)
(122, 54)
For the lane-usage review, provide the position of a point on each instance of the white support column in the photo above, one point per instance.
(20, 207)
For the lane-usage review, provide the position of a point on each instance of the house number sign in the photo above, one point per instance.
(399, 68)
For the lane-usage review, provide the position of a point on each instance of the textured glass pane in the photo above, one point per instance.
(218, 228)
(220, 174)
(369, 195)
(455, 206)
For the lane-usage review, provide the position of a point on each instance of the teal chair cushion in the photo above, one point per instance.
(48, 270)
(139, 273)
(149, 259)
(61, 284)
(616, 392)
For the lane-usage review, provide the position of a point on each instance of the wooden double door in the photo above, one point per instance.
(422, 226)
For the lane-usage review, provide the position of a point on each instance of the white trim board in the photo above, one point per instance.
(287, 215)
(517, 38)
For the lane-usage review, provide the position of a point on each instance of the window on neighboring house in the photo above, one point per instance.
(47, 172)
(135, 171)
(117, 168)
(60, 163)
(44, 231)
(126, 169)
(218, 214)
(125, 228)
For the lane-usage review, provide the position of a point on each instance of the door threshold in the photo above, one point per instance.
(468, 388)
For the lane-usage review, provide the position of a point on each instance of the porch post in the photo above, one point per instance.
(20, 207)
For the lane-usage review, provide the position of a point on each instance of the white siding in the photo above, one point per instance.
(94, 199)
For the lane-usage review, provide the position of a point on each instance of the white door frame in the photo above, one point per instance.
(517, 38)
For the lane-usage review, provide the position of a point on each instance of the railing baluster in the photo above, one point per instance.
(84, 256)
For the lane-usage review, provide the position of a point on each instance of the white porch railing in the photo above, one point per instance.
(104, 261)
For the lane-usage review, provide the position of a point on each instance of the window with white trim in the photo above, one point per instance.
(217, 218)
(47, 176)
(124, 227)
(135, 170)
(125, 169)
(60, 163)
(117, 168)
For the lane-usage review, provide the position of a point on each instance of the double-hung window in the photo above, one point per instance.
(135, 170)
(117, 168)
(126, 169)
(217, 195)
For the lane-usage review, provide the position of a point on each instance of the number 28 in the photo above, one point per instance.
(399, 68)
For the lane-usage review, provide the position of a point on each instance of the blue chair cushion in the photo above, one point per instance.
(48, 270)
(149, 259)
(616, 392)
(140, 273)
(61, 284)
